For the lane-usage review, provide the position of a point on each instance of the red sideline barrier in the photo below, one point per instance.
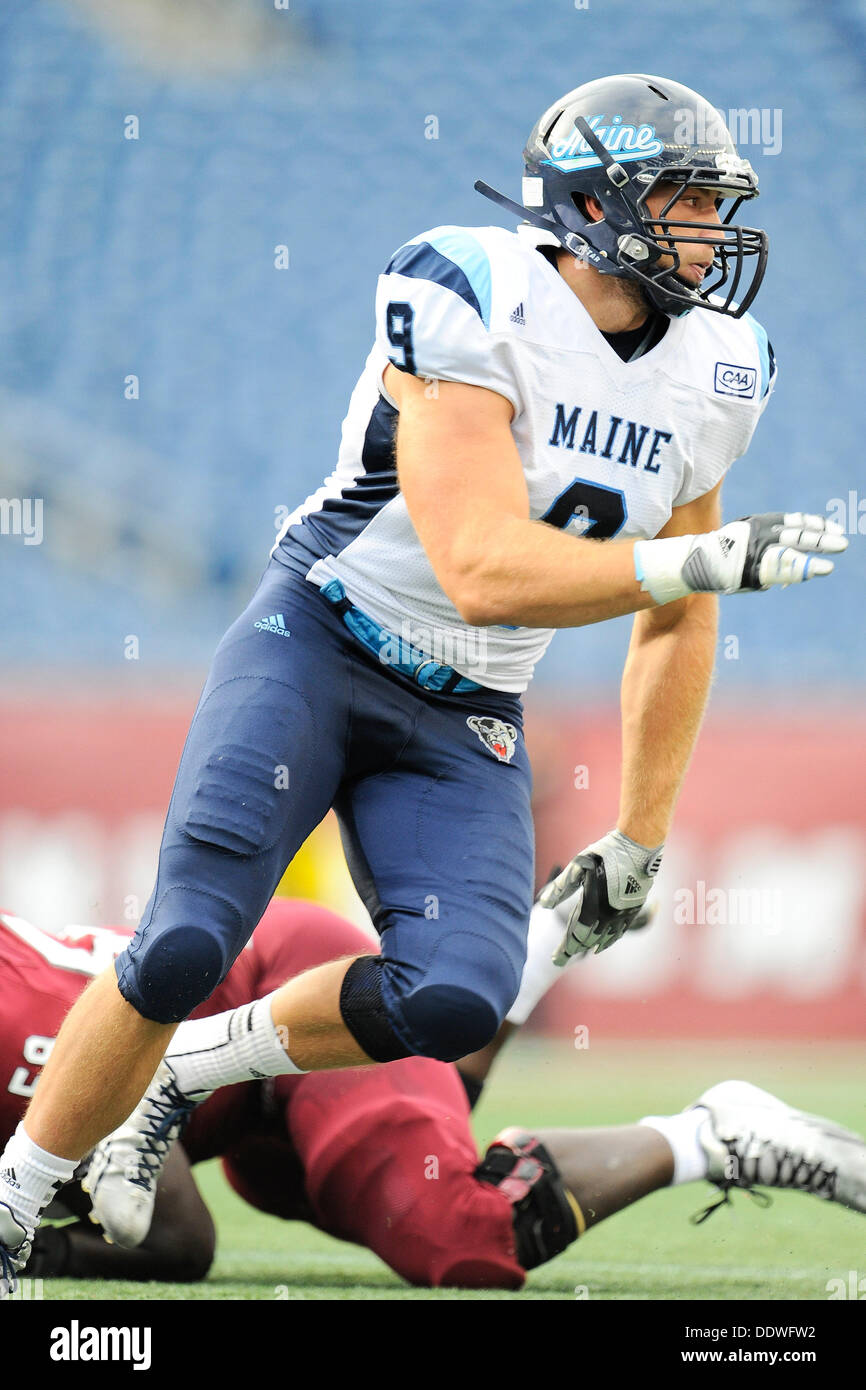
(102, 755)
(761, 930)
(762, 922)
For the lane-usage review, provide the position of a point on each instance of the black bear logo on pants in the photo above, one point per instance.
(499, 737)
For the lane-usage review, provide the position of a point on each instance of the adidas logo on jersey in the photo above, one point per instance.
(276, 623)
(516, 315)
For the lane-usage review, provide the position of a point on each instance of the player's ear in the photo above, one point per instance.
(593, 208)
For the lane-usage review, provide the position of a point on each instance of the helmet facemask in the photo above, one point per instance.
(640, 253)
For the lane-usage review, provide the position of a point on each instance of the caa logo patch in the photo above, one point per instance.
(495, 734)
(735, 381)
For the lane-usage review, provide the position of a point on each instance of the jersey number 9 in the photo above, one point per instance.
(399, 324)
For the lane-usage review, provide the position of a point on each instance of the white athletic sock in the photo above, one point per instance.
(681, 1132)
(239, 1045)
(30, 1176)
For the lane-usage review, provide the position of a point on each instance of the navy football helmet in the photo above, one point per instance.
(618, 140)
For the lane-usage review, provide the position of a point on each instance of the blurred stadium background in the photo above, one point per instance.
(167, 391)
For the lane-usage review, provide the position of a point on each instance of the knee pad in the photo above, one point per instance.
(546, 1216)
(448, 1021)
(180, 956)
(457, 999)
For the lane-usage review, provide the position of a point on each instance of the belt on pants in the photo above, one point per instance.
(394, 651)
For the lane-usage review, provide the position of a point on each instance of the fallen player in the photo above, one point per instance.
(382, 1156)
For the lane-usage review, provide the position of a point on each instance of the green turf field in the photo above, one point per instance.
(650, 1251)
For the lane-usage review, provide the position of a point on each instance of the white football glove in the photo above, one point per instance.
(753, 553)
(611, 880)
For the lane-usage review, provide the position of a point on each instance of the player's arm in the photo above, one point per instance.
(665, 685)
(462, 480)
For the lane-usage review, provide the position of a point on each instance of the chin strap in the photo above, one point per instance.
(577, 245)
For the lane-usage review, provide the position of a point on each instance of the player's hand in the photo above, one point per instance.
(756, 552)
(610, 881)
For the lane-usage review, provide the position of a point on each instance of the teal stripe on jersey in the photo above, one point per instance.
(461, 247)
(760, 333)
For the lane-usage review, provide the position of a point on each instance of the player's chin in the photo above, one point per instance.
(693, 275)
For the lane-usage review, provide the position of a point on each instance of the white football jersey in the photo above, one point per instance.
(608, 447)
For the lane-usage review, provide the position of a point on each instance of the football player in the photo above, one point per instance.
(537, 440)
(380, 1156)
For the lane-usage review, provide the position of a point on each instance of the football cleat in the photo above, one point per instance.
(16, 1239)
(126, 1166)
(752, 1139)
(18, 1224)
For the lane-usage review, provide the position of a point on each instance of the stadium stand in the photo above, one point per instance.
(154, 258)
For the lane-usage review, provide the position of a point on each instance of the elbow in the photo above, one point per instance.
(475, 569)
(477, 603)
(476, 580)
(475, 611)
(473, 590)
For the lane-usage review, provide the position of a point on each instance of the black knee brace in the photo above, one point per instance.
(546, 1216)
(444, 1021)
(364, 1014)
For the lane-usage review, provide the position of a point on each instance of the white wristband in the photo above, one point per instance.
(658, 567)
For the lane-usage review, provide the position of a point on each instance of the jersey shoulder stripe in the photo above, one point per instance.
(765, 353)
(453, 258)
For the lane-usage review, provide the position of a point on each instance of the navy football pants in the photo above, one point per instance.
(437, 828)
